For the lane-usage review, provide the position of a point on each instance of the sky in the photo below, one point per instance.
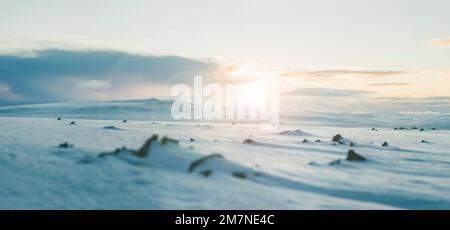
(384, 48)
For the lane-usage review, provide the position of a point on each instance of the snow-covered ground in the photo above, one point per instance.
(275, 170)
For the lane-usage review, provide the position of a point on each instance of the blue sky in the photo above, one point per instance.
(281, 36)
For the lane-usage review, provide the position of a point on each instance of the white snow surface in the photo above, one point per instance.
(276, 171)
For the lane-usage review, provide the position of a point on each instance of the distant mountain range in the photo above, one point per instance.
(160, 110)
(145, 109)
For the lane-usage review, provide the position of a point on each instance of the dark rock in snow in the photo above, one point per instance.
(124, 121)
(422, 129)
(249, 141)
(144, 150)
(200, 161)
(191, 139)
(72, 123)
(385, 144)
(351, 144)
(318, 140)
(166, 140)
(338, 138)
(239, 175)
(58, 118)
(206, 173)
(335, 162)
(305, 140)
(353, 156)
(65, 145)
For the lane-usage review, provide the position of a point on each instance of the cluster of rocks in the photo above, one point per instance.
(413, 128)
(306, 140)
(207, 172)
(73, 122)
(144, 151)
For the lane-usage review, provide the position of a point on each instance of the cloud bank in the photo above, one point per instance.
(390, 84)
(327, 92)
(333, 74)
(58, 75)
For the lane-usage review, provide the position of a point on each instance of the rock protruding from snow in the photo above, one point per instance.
(200, 161)
(385, 144)
(338, 138)
(353, 156)
(240, 175)
(217, 164)
(166, 154)
(335, 162)
(166, 140)
(249, 141)
(65, 145)
(145, 149)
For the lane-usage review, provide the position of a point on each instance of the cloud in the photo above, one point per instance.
(333, 74)
(440, 42)
(328, 92)
(56, 75)
(390, 84)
